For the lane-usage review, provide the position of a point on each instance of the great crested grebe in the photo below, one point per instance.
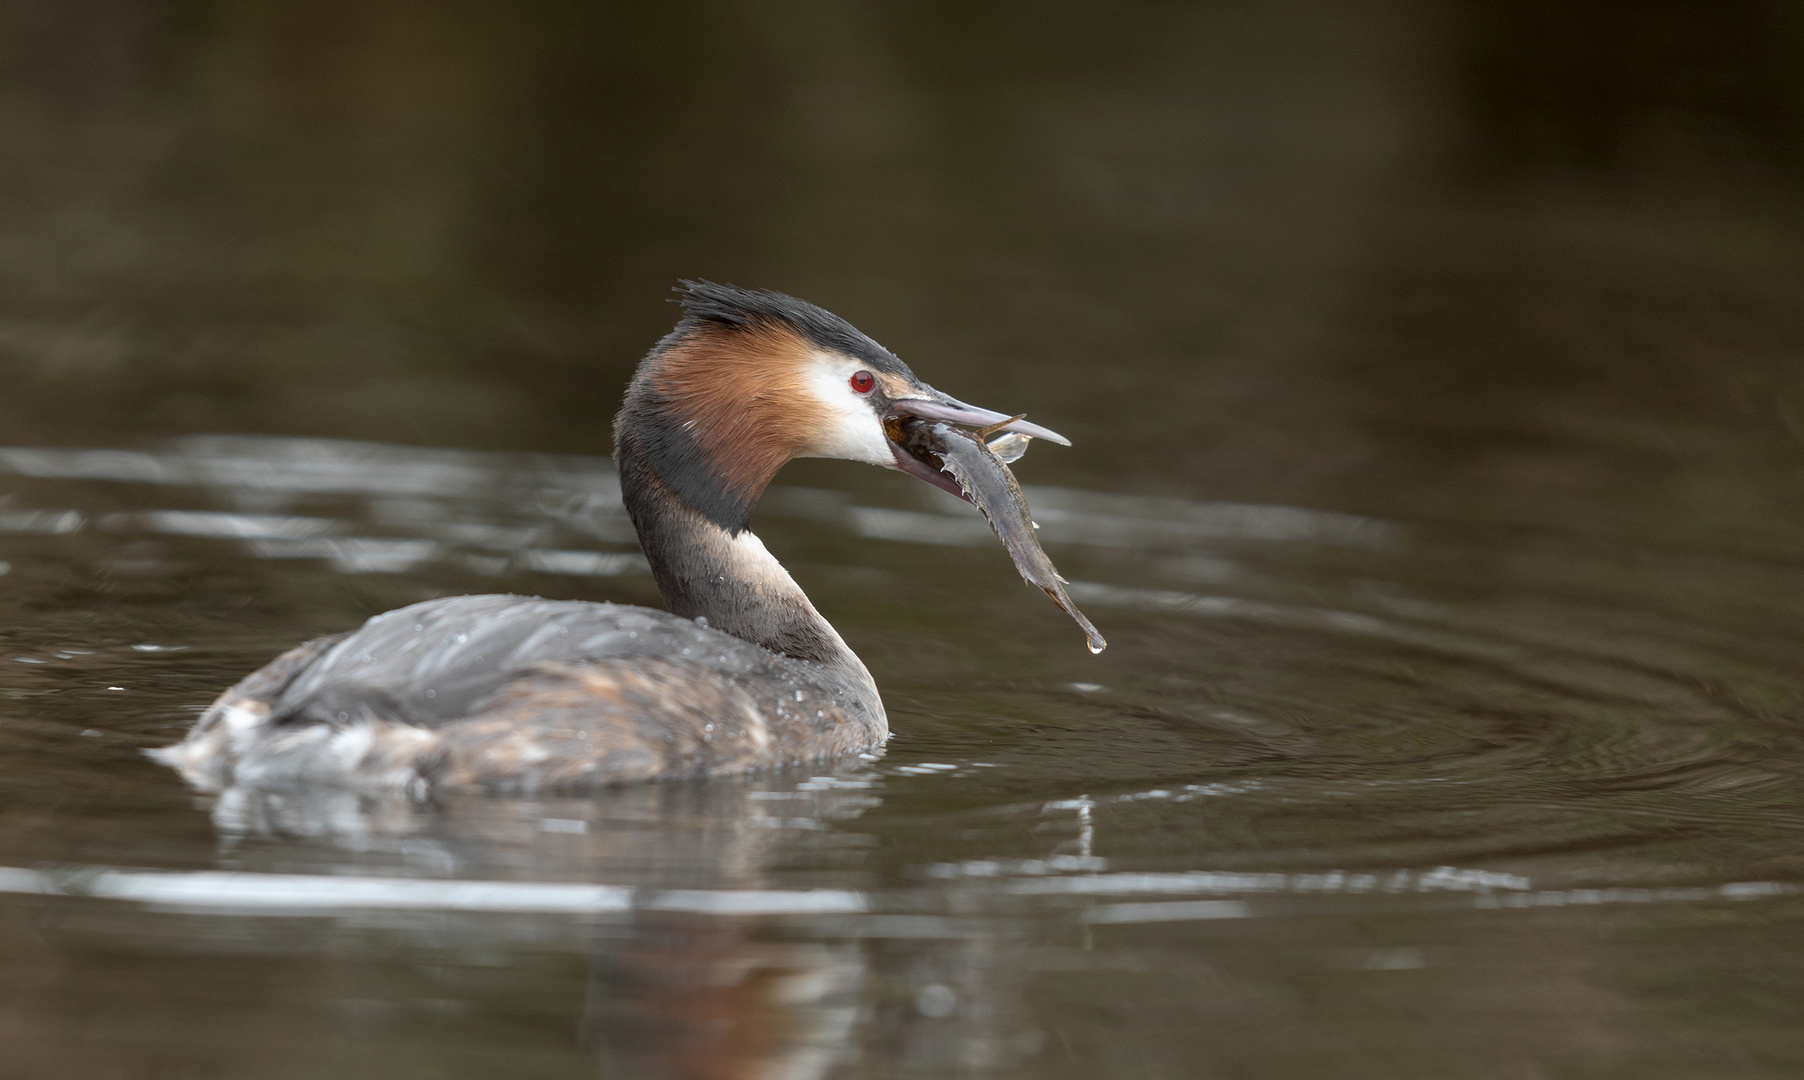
(511, 693)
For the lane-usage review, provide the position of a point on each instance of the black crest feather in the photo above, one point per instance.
(734, 307)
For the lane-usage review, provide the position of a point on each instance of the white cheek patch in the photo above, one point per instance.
(843, 425)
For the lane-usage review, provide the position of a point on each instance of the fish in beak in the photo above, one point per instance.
(948, 456)
(928, 404)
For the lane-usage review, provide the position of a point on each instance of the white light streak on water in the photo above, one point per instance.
(582, 563)
(316, 466)
(1739, 890)
(40, 521)
(909, 526)
(727, 902)
(1442, 879)
(352, 555)
(128, 466)
(306, 894)
(1176, 911)
(230, 526)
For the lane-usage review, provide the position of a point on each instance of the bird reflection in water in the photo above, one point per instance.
(680, 986)
(688, 999)
(695, 999)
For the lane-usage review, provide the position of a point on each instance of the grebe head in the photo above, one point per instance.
(751, 379)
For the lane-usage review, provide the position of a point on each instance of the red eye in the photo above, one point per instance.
(863, 381)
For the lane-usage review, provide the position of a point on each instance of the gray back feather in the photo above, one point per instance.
(438, 660)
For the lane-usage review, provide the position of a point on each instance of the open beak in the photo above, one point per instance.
(954, 411)
(934, 405)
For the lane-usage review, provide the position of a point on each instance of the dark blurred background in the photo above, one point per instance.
(1381, 256)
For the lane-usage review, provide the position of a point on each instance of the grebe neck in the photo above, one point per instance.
(703, 568)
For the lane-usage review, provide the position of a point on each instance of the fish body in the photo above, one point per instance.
(989, 485)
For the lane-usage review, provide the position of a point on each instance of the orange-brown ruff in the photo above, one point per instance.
(510, 693)
(738, 393)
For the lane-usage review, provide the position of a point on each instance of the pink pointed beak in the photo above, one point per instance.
(954, 411)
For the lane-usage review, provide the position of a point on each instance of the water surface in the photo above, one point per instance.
(1437, 483)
